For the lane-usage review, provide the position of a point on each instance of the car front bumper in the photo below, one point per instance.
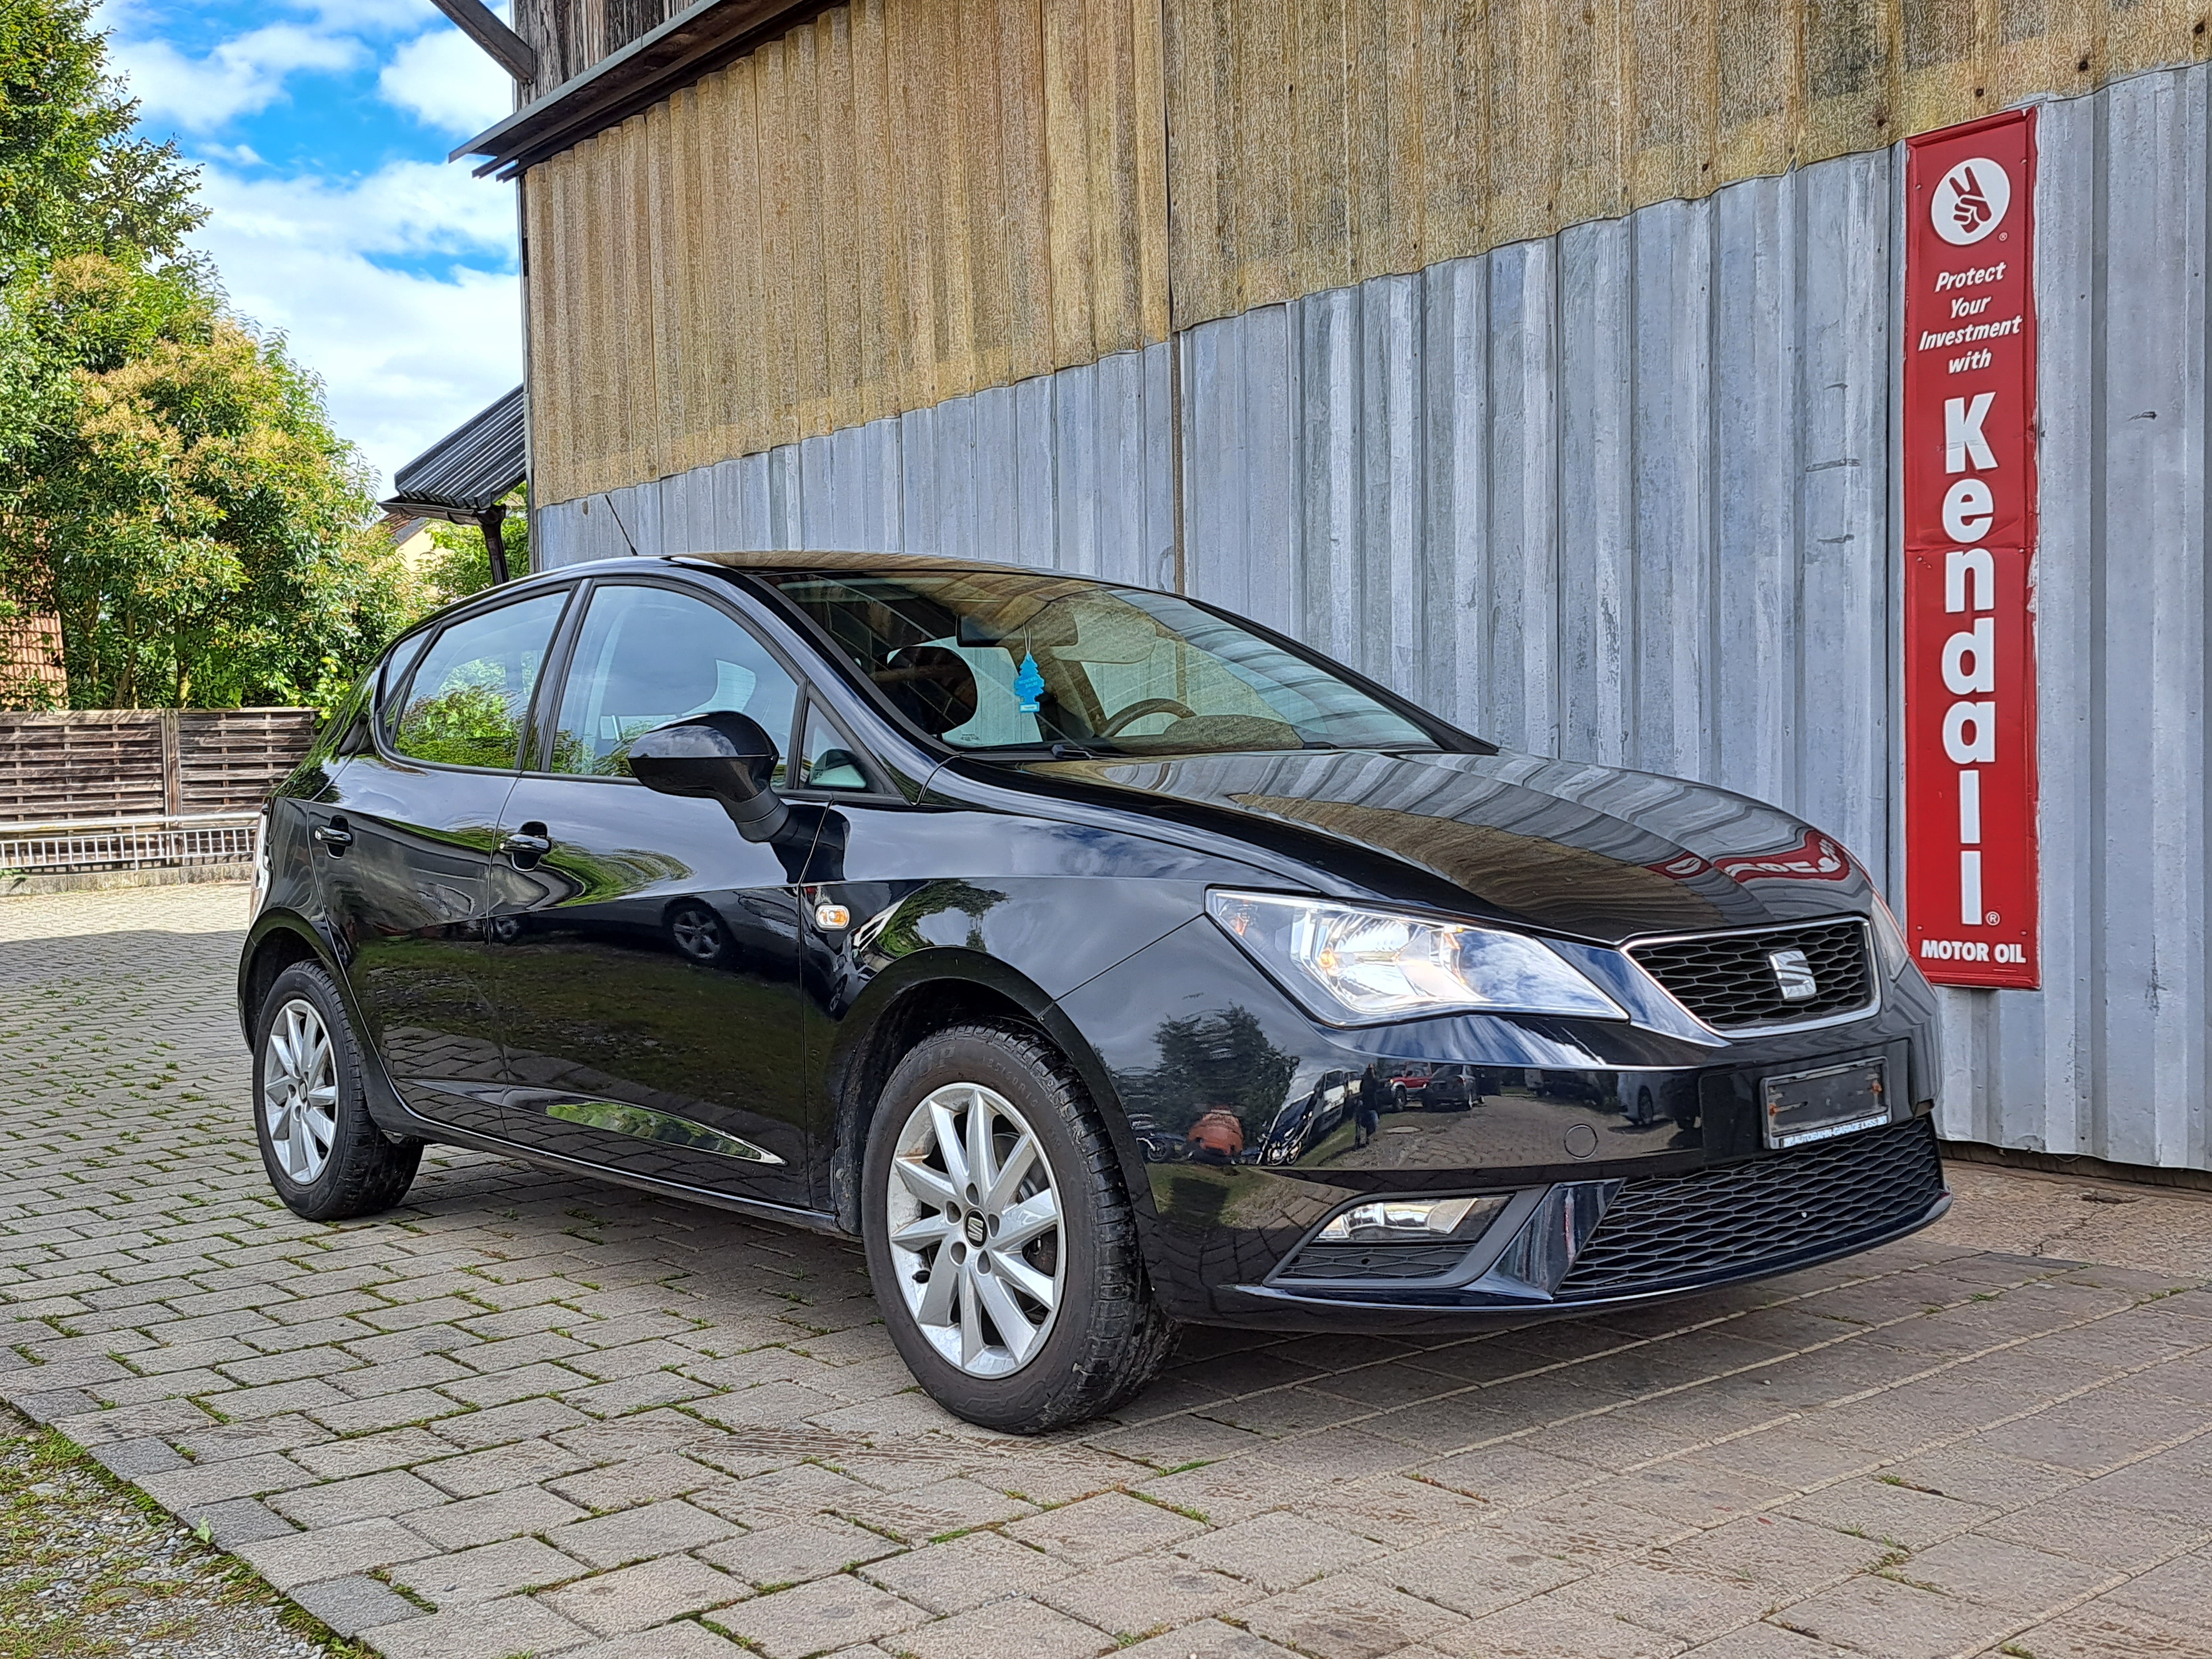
(1250, 1127)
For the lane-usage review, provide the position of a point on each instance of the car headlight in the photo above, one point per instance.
(1349, 965)
(1889, 940)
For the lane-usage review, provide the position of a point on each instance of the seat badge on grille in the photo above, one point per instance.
(1793, 975)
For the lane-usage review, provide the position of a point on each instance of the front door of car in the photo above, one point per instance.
(645, 955)
(405, 838)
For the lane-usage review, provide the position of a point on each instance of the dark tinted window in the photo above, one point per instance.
(992, 660)
(647, 656)
(470, 697)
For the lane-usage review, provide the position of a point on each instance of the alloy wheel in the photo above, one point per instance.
(975, 1230)
(300, 1091)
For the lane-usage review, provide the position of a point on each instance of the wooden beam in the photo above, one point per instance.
(509, 49)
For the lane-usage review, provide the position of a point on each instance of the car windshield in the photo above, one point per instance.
(989, 661)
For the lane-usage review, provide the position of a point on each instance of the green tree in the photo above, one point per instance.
(170, 487)
(180, 502)
(72, 179)
(463, 566)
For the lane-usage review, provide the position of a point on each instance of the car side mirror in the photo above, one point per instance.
(724, 757)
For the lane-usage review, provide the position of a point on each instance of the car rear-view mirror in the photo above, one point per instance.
(723, 756)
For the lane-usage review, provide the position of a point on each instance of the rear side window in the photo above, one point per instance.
(647, 656)
(470, 698)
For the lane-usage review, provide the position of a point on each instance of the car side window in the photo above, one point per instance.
(470, 697)
(393, 682)
(827, 760)
(648, 655)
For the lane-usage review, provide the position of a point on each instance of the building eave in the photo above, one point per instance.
(697, 40)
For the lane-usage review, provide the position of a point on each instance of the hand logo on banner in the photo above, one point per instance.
(1969, 202)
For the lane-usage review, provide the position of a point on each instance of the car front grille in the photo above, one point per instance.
(1727, 981)
(1671, 1231)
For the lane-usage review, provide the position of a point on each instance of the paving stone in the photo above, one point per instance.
(394, 1492)
(1104, 1529)
(1004, 1630)
(1137, 1595)
(685, 1640)
(493, 1516)
(663, 1528)
(1787, 1557)
(1348, 1616)
(1473, 1573)
(652, 1593)
(2102, 1630)
(966, 1573)
(1210, 1639)
(487, 1571)
(239, 1522)
(1553, 1628)
(791, 1553)
(355, 1603)
(1883, 1616)
(810, 1618)
(1658, 1595)
(200, 1484)
(1895, 1514)
(1279, 1552)
(2097, 1535)
(515, 1626)
(2001, 1574)
(303, 1558)
(2180, 1590)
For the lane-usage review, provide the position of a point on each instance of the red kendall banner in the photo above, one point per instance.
(1971, 898)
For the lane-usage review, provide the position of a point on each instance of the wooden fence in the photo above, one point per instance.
(150, 763)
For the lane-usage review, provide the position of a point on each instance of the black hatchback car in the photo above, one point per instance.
(1066, 943)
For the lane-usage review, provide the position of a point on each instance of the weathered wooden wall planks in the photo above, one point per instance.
(900, 202)
(905, 201)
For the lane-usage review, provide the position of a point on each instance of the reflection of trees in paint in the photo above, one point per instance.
(902, 935)
(1216, 1062)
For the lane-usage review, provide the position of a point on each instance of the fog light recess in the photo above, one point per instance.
(1395, 1239)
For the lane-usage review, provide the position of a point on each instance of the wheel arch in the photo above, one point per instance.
(941, 989)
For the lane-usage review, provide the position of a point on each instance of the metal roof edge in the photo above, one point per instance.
(697, 41)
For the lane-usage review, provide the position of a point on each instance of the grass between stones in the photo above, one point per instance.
(90, 1568)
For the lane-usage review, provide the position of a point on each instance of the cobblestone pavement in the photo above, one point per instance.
(530, 1414)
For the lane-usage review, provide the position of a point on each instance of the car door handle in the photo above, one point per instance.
(524, 846)
(332, 836)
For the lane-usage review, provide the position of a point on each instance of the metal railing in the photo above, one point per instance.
(71, 845)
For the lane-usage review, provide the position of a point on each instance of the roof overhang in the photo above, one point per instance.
(466, 474)
(697, 41)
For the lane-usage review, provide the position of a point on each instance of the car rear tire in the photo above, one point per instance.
(1015, 1293)
(324, 1153)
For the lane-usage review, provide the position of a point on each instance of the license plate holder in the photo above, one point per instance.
(1801, 1108)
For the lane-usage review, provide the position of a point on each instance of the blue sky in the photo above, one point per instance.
(321, 127)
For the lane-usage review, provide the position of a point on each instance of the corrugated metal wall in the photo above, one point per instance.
(1626, 494)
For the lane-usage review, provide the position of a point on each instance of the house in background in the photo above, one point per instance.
(1540, 360)
(31, 672)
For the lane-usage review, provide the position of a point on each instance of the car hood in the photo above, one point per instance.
(1595, 852)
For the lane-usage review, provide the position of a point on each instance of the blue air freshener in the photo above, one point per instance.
(1028, 684)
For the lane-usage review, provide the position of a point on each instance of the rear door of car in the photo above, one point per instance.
(404, 836)
(644, 955)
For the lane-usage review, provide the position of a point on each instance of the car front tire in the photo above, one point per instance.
(1001, 1242)
(324, 1153)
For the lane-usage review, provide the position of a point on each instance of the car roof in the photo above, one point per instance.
(810, 559)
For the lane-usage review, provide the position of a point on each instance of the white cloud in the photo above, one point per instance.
(236, 77)
(446, 81)
(405, 355)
